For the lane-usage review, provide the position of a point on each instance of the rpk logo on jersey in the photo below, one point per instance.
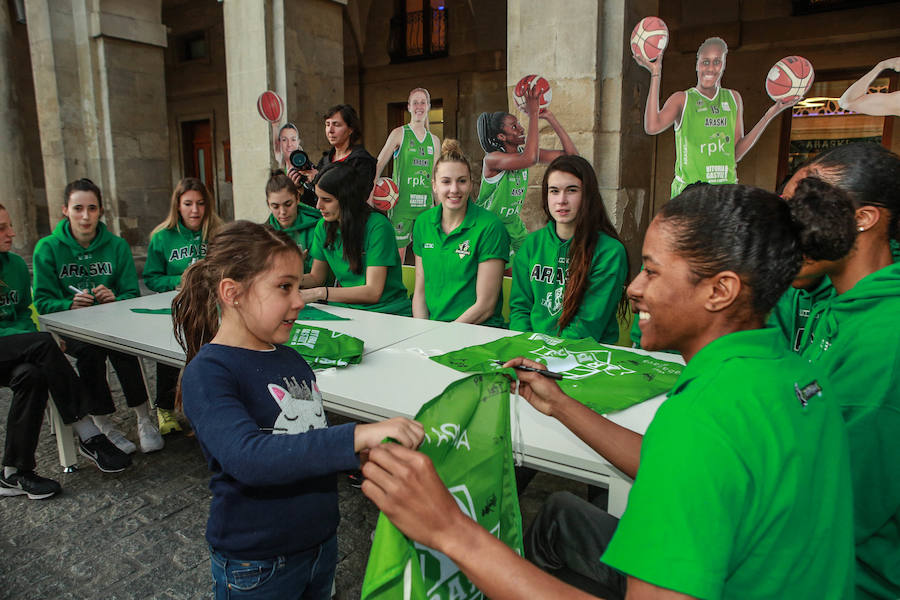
(720, 139)
(463, 250)
(449, 582)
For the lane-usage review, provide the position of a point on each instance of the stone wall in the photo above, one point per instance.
(99, 88)
(196, 90)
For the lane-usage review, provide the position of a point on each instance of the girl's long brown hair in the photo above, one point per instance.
(239, 251)
(590, 221)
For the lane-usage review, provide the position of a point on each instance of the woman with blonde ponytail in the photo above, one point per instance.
(461, 249)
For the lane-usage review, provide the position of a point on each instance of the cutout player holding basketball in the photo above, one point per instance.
(708, 119)
(414, 149)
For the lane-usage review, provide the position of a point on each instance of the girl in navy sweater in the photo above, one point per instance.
(257, 412)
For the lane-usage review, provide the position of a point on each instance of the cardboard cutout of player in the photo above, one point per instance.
(414, 149)
(504, 175)
(708, 119)
(858, 99)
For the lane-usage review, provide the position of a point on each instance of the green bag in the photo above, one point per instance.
(467, 436)
(323, 348)
(604, 378)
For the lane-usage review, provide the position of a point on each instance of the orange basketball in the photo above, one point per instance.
(790, 78)
(532, 81)
(386, 194)
(649, 38)
(270, 106)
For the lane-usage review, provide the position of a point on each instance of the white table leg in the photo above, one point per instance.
(65, 440)
(618, 494)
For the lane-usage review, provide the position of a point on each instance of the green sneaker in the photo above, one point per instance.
(167, 421)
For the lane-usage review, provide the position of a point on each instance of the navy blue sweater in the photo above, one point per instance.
(272, 494)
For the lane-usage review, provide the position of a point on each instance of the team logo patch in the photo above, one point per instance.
(463, 250)
(726, 107)
(553, 301)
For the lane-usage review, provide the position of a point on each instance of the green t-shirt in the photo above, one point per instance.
(413, 163)
(704, 140)
(170, 253)
(743, 485)
(15, 296)
(855, 339)
(792, 310)
(301, 230)
(60, 261)
(379, 250)
(540, 272)
(450, 261)
(503, 195)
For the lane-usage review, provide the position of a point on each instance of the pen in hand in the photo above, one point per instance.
(544, 372)
(76, 290)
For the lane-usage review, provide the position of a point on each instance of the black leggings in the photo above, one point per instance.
(91, 363)
(31, 364)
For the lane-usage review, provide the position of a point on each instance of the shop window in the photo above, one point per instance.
(818, 123)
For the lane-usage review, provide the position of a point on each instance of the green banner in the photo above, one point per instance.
(604, 378)
(467, 436)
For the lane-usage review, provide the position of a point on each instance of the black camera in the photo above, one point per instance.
(300, 160)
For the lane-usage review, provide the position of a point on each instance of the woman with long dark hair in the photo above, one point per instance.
(568, 278)
(355, 243)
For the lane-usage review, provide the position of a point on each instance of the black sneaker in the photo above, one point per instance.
(356, 478)
(103, 453)
(30, 483)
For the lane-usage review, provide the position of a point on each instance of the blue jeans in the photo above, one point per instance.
(306, 575)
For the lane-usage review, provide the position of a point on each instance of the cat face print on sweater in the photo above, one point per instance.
(301, 407)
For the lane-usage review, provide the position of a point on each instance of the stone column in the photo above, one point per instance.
(248, 74)
(296, 49)
(314, 68)
(582, 50)
(15, 170)
(100, 91)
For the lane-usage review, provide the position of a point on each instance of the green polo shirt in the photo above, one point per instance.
(379, 250)
(743, 489)
(451, 260)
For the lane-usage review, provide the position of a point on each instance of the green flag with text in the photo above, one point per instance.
(604, 378)
(467, 437)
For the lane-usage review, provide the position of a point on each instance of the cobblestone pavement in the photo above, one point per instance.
(139, 533)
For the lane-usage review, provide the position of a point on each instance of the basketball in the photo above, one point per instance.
(649, 38)
(270, 106)
(789, 79)
(386, 194)
(532, 81)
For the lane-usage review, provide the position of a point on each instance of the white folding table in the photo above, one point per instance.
(394, 378)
